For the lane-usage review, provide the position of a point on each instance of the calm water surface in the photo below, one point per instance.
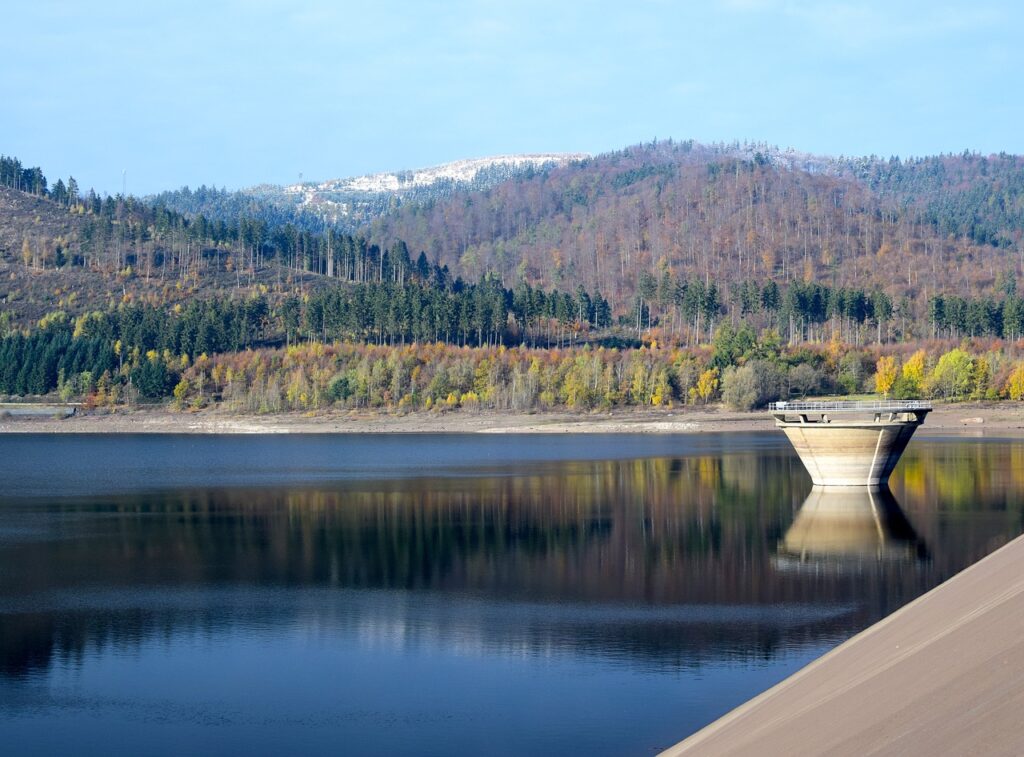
(446, 594)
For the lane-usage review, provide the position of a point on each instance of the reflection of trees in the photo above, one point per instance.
(606, 530)
(962, 493)
(690, 531)
(955, 475)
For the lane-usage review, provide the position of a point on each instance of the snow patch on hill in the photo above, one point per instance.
(787, 159)
(459, 171)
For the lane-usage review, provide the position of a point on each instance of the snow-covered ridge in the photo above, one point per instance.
(787, 159)
(459, 171)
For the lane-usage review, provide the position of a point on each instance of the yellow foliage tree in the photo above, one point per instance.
(1015, 383)
(886, 372)
(662, 394)
(707, 385)
(180, 393)
(951, 378)
(914, 370)
(638, 393)
(836, 348)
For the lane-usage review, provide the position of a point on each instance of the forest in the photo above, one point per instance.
(949, 224)
(691, 276)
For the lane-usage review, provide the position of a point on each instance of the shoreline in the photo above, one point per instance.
(977, 419)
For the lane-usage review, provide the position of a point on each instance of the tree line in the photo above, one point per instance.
(486, 314)
(435, 377)
(966, 195)
(16, 176)
(954, 317)
(116, 341)
(109, 359)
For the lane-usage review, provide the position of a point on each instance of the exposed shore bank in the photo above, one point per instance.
(942, 675)
(962, 419)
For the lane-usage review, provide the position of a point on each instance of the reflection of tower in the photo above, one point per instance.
(849, 526)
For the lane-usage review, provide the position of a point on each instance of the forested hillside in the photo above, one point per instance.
(977, 197)
(229, 207)
(764, 274)
(950, 224)
(347, 204)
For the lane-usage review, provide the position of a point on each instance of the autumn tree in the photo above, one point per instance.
(981, 378)
(886, 372)
(951, 378)
(1015, 383)
(706, 386)
(910, 384)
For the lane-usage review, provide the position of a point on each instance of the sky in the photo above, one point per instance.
(238, 93)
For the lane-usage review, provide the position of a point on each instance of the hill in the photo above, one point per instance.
(348, 203)
(731, 213)
(98, 254)
(669, 235)
(766, 273)
(44, 224)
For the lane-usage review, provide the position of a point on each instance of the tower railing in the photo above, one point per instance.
(833, 406)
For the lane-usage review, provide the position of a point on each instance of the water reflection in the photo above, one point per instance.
(678, 565)
(849, 528)
(643, 560)
(689, 533)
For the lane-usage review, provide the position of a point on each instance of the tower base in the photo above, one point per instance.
(839, 446)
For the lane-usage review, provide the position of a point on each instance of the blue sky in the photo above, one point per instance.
(239, 93)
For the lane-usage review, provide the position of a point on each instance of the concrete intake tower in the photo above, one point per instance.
(850, 443)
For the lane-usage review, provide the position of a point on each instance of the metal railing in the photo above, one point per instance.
(831, 406)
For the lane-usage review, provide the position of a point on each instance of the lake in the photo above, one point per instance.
(447, 594)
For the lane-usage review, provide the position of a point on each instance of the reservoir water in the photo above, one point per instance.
(446, 594)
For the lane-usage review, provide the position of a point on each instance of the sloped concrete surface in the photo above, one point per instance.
(943, 675)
